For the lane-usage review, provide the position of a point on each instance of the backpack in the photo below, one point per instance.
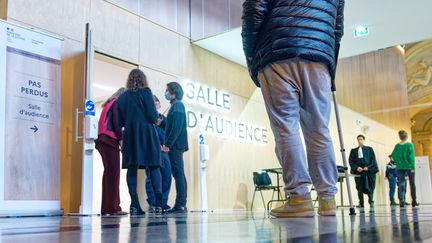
(105, 125)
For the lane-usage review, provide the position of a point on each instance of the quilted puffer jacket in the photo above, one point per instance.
(275, 30)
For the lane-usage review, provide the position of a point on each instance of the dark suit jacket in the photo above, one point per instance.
(368, 160)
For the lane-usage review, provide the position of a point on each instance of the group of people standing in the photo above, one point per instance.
(364, 165)
(130, 123)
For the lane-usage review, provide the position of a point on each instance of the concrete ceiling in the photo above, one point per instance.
(391, 22)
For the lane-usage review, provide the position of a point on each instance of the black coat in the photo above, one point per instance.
(368, 160)
(366, 182)
(138, 115)
(275, 30)
(176, 137)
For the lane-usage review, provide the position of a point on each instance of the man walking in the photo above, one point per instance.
(290, 47)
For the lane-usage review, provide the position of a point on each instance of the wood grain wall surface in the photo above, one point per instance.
(374, 84)
(3, 9)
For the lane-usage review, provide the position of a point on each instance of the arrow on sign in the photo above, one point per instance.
(34, 128)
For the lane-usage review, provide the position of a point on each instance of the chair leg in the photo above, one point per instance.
(262, 197)
(280, 194)
(253, 198)
(270, 202)
(268, 205)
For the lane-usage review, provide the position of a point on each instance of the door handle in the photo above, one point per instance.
(77, 113)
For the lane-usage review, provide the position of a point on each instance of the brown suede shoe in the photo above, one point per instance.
(297, 206)
(327, 205)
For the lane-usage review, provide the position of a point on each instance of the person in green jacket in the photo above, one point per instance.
(403, 154)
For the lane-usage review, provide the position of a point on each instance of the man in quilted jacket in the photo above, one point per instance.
(291, 50)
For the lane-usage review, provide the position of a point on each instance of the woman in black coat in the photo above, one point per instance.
(141, 148)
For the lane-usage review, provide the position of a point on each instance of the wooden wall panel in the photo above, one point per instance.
(235, 11)
(183, 17)
(64, 18)
(374, 84)
(216, 17)
(115, 31)
(197, 20)
(3, 9)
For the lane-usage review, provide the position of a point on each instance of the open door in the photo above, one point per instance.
(86, 129)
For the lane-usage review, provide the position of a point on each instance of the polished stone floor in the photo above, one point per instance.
(381, 225)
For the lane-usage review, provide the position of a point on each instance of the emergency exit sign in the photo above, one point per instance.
(361, 30)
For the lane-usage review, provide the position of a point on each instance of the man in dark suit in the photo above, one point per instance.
(363, 163)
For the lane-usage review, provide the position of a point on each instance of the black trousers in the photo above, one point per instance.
(177, 168)
(402, 174)
(361, 190)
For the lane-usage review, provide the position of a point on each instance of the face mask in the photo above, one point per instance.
(168, 95)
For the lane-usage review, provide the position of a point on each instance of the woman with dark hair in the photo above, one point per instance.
(141, 148)
(108, 145)
(176, 143)
(403, 154)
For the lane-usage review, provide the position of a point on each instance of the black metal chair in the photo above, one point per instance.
(263, 182)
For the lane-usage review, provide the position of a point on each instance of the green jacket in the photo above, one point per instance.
(403, 154)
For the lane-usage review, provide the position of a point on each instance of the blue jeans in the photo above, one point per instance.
(166, 182)
(402, 184)
(177, 167)
(392, 185)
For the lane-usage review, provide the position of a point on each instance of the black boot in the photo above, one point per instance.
(159, 208)
(135, 208)
(414, 203)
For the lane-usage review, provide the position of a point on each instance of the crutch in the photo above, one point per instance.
(339, 127)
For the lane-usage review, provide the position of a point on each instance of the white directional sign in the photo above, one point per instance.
(30, 66)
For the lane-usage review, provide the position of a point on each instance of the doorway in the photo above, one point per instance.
(109, 74)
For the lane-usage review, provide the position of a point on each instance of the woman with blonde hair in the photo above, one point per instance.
(141, 148)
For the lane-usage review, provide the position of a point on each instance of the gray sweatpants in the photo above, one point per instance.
(297, 90)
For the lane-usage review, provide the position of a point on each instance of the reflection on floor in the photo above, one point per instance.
(381, 225)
